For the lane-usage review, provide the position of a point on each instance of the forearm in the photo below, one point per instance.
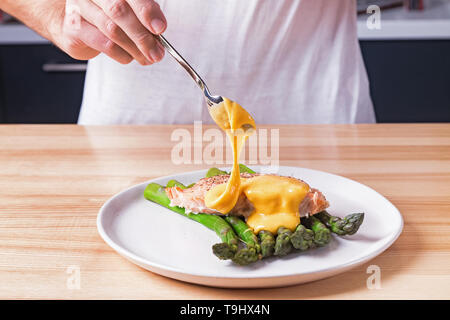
(39, 15)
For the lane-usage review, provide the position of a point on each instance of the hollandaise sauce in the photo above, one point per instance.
(276, 200)
(238, 125)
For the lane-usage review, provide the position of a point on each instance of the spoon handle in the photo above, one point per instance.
(181, 61)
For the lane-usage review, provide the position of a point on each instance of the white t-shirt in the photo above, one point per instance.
(285, 61)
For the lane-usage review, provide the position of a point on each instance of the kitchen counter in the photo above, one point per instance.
(55, 178)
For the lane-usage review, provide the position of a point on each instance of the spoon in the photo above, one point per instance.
(210, 99)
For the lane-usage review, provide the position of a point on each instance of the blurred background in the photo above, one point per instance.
(407, 60)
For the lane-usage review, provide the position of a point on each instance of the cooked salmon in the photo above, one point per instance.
(193, 199)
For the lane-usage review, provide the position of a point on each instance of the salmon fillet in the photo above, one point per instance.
(193, 199)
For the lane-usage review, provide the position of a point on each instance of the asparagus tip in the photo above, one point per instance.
(224, 251)
(302, 238)
(283, 242)
(246, 256)
(354, 221)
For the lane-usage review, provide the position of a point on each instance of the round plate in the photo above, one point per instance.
(169, 244)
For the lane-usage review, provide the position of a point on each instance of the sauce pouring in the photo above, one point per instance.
(275, 199)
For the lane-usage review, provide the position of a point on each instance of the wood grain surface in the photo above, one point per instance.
(54, 179)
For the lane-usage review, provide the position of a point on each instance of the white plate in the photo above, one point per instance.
(169, 244)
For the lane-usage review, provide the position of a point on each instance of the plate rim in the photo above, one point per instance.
(143, 261)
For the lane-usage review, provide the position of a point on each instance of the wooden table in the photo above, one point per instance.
(54, 179)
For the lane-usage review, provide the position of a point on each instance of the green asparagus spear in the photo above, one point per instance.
(244, 232)
(341, 226)
(302, 238)
(215, 172)
(173, 183)
(249, 254)
(267, 243)
(283, 242)
(322, 234)
(155, 193)
(243, 168)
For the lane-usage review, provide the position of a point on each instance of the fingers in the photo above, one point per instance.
(70, 42)
(85, 41)
(149, 14)
(93, 38)
(95, 16)
(122, 14)
(122, 29)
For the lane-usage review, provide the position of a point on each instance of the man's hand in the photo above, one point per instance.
(122, 29)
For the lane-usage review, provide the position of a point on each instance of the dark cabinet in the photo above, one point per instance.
(39, 84)
(409, 80)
